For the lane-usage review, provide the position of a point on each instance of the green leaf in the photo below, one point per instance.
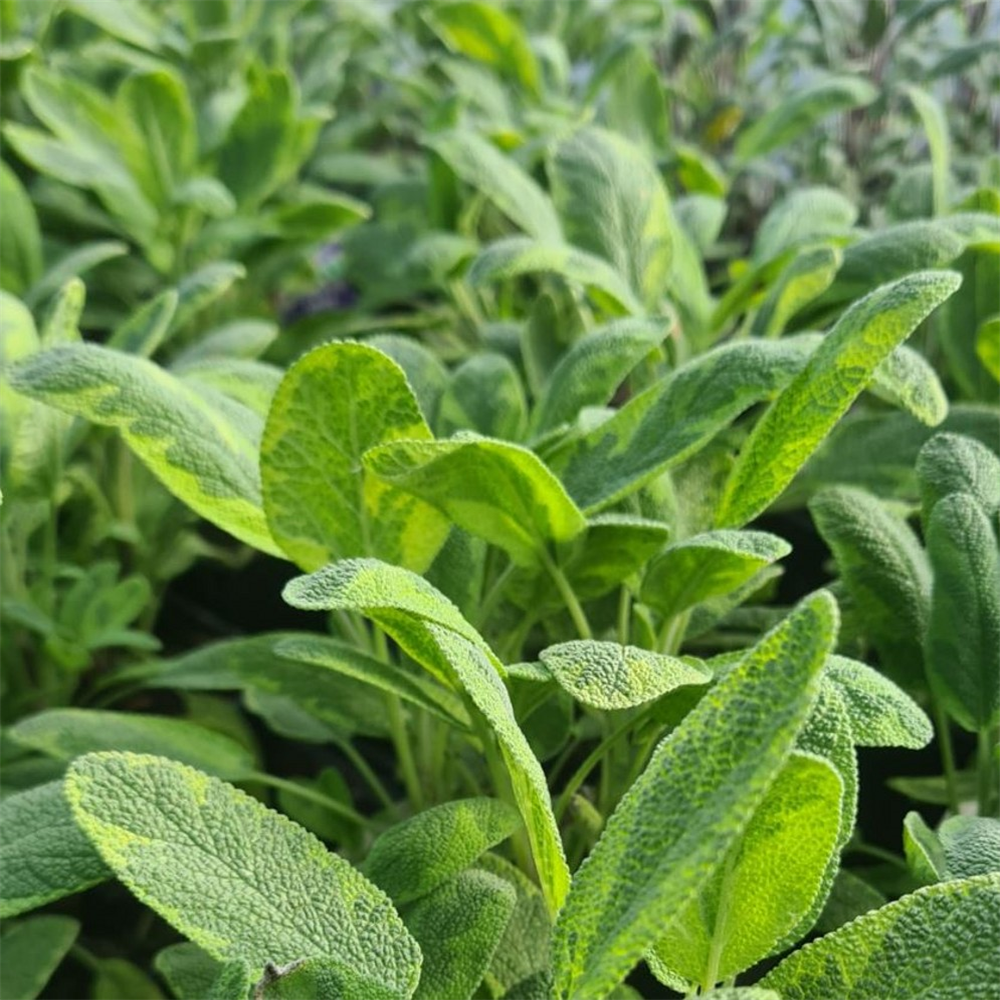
(425, 373)
(75, 263)
(518, 255)
(881, 714)
(810, 406)
(707, 565)
(935, 944)
(484, 395)
(413, 858)
(319, 977)
(480, 164)
(488, 34)
(494, 490)
(806, 278)
(932, 117)
(770, 878)
(32, 950)
(145, 329)
(44, 855)
(334, 404)
(66, 733)
(592, 369)
(671, 420)
(21, 250)
(669, 835)
(119, 979)
(430, 629)
(612, 203)
(458, 927)
(988, 346)
(954, 463)
(337, 656)
(907, 380)
(924, 854)
(971, 845)
(188, 970)
(886, 572)
(236, 878)
(200, 289)
(963, 633)
(609, 675)
(800, 112)
(803, 216)
(850, 897)
(189, 445)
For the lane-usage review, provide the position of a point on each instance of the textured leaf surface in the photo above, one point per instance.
(886, 571)
(484, 395)
(71, 732)
(43, 853)
(707, 565)
(332, 406)
(955, 463)
(517, 255)
(189, 970)
(971, 845)
(881, 714)
(673, 419)
(769, 880)
(430, 629)
(32, 949)
(242, 881)
(669, 834)
(964, 627)
(495, 490)
(316, 978)
(190, 446)
(821, 393)
(802, 217)
(938, 943)
(907, 380)
(609, 675)
(612, 203)
(458, 927)
(808, 276)
(414, 857)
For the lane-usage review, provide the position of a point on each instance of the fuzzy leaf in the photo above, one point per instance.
(315, 978)
(810, 406)
(963, 633)
(188, 970)
(189, 445)
(611, 676)
(971, 845)
(484, 395)
(708, 565)
(412, 858)
(66, 733)
(613, 204)
(907, 380)
(954, 463)
(43, 853)
(803, 216)
(243, 882)
(32, 950)
(770, 878)
(938, 943)
(334, 404)
(809, 275)
(671, 831)
(458, 927)
(495, 490)
(21, 253)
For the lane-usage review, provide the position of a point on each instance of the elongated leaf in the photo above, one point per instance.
(186, 443)
(517, 255)
(613, 204)
(907, 380)
(669, 834)
(592, 369)
(800, 112)
(515, 193)
(143, 332)
(932, 117)
(21, 253)
(770, 878)
(243, 882)
(971, 845)
(413, 858)
(810, 406)
(43, 853)
(708, 565)
(332, 406)
(963, 633)
(66, 733)
(75, 263)
(988, 346)
(954, 463)
(803, 216)
(885, 570)
(189, 970)
(119, 979)
(671, 420)
(430, 629)
(610, 676)
(881, 714)
(938, 943)
(32, 950)
(425, 373)
(492, 489)
(458, 927)
(806, 278)
(484, 395)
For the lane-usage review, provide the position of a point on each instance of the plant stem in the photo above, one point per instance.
(492, 596)
(292, 788)
(361, 766)
(984, 771)
(624, 615)
(672, 636)
(947, 755)
(566, 592)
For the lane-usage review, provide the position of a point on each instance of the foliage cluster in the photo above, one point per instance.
(583, 308)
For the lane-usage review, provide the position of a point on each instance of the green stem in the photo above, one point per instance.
(367, 774)
(874, 851)
(947, 755)
(624, 615)
(566, 591)
(672, 636)
(492, 596)
(720, 927)
(293, 788)
(984, 771)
